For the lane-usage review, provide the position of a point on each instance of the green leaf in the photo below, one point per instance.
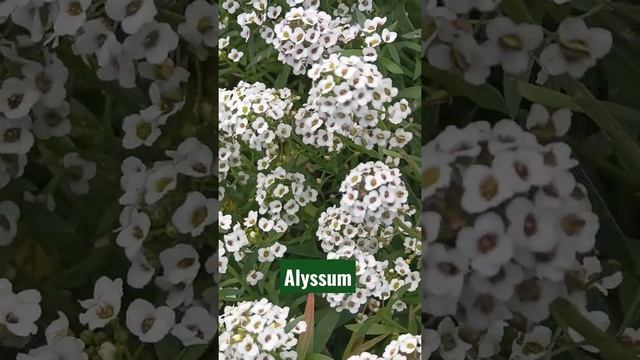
(194, 352)
(484, 96)
(512, 97)
(603, 118)
(391, 66)
(568, 316)
(393, 52)
(517, 10)
(283, 76)
(414, 92)
(546, 97)
(369, 344)
(168, 348)
(317, 357)
(371, 329)
(325, 328)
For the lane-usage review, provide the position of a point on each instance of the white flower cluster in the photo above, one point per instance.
(507, 228)
(33, 104)
(377, 281)
(456, 47)
(303, 35)
(258, 116)
(258, 330)
(351, 98)
(306, 36)
(243, 239)
(373, 193)
(61, 344)
(148, 192)
(406, 347)
(373, 197)
(280, 196)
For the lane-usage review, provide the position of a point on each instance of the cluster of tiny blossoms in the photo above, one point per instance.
(258, 116)
(258, 330)
(349, 102)
(126, 45)
(455, 45)
(304, 35)
(352, 99)
(405, 347)
(281, 195)
(507, 230)
(373, 198)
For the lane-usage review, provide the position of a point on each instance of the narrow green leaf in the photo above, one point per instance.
(568, 316)
(484, 96)
(517, 10)
(325, 328)
(391, 66)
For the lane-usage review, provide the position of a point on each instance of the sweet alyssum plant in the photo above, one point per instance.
(318, 122)
(515, 263)
(107, 176)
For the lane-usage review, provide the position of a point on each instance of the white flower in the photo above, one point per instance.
(532, 345)
(132, 14)
(235, 55)
(548, 125)
(95, 38)
(51, 122)
(17, 97)
(66, 348)
(532, 297)
(153, 41)
(105, 304)
(195, 214)
(436, 172)
(160, 180)
(464, 57)
(192, 158)
(148, 323)
(135, 229)
(140, 272)
(197, 327)
(138, 131)
(71, 16)
(80, 172)
(57, 329)
(531, 227)
(19, 312)
(522, 169)
(483, 189)
(509, 44)
(132, 181)
(444, 270)
(452, 347)
(15, 136)
(200, 26)
(28, 16)
(9, 216)
(48, 80)
(180, 263)
(602, 280)
(118, 65)
(486, 244)
(254, 277)
(578, 49)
